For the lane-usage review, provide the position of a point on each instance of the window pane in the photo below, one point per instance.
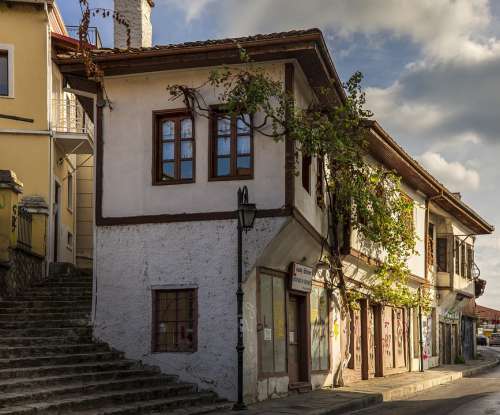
(223, 146)
(279, 324)
(243, 124)
(223, 166)
(243, 162)
(266, 322)
(168, 151)
(186, 149)
(4, 73)
(185, 335)
(244, 144)
(186, 128)
(186, 169)
(169, 170)
(168, 130)
(223, 126)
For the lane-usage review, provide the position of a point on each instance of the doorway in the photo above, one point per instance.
(57, 218)
(297, 340)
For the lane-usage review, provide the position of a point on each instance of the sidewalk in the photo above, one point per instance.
(369, 392)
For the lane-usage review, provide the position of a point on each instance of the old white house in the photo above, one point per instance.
(166, 240)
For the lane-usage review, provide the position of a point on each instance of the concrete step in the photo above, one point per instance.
(69, 369)
(11, 352)
(136, 401)
(167, 405)
(15, 384)
(79, 332)
(217, 407)
(38, 341)
(26, 324)
(44, 310)
(42, 316)
(70, 390)
(56, 360)
(43, 303)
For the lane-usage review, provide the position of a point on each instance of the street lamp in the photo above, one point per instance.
(246, 217)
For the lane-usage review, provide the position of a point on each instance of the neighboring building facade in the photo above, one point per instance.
(165, 253)
(43, 126)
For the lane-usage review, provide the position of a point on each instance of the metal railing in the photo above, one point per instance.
(93, 38)
(24, 229)
(68, 116)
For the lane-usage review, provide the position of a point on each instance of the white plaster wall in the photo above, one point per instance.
(137, 13)
(131, 261)
(306, 202)
(127, 179)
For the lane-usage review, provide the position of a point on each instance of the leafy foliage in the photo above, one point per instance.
(367, 197)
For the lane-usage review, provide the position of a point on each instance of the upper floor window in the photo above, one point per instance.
(442, 254)
(6, 70)
(306, 172)
(174, 147)
(4, 73)
(231, 147)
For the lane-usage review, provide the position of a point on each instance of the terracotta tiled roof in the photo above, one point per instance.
(205, 43)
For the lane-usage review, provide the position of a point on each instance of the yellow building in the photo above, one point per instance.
(46, 130)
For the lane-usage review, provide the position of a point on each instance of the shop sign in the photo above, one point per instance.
(301, 279)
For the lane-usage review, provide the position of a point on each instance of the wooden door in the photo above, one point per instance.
(371, 341)
(294, 352)
(442, 348)
(57, 218)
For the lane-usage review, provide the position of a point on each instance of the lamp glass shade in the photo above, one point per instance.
(247, 213)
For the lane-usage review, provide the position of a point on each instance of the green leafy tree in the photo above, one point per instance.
(362, 197)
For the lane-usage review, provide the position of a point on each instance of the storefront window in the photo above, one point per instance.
(272, 324)
(319, 329)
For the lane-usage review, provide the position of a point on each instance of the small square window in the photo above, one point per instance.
(70, 241)
(4, 73)
(175, 320)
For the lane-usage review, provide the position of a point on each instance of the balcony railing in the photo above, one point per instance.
(69, 117)
(93, 38)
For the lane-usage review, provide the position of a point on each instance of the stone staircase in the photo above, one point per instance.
(49, 363)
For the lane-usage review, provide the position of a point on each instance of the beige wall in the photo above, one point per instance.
(25, 27)
(84, 210)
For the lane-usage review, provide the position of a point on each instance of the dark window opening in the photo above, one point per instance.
(175, 321)
(306, 172)
(4, 73)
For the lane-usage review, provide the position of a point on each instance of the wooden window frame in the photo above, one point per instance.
(306, 172)
(154, 320)
(175, 115)
(439, 241)
(320, 183)
(215, 114)
(8, 50)
(70, 187)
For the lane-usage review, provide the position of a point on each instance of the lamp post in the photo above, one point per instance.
(246, 217)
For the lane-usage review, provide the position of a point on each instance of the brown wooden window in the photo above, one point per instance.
(457, 256)
(320, 190)
(175, 320)
(442, 254)
(470, 260)
(463, 260)
(4, 73)
(174, 147)
(231, 147)
(306, 172)
(430, 245)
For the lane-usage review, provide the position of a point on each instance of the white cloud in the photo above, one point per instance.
(444, 28)
(191, 8)
(453, 174)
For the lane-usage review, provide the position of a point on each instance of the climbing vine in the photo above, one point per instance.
(364, 197)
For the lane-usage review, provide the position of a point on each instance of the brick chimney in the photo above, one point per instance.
(137, 13)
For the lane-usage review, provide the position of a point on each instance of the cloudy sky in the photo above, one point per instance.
(432, 76)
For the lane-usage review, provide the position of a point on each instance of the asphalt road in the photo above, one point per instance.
(478, 395)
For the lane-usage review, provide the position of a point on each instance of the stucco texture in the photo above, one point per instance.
(131, 261)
